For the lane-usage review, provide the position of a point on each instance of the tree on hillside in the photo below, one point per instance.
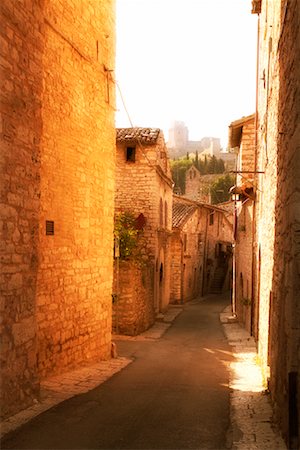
(220, 189)
(221, 166)
(212, 165)
(197, 160)
(208, 165)
(205, 165)
(179, 168)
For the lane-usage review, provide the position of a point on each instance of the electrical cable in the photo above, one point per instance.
(132, 126)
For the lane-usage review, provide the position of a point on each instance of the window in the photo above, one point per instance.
(130, 154)
(211, 217)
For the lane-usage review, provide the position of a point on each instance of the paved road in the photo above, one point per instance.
(174, 395)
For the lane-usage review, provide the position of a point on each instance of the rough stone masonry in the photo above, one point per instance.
(57, 183)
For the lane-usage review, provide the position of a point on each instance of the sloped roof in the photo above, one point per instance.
(227, 206)
(181, 212)
(143, 135)
(185, 200)
(236, 129)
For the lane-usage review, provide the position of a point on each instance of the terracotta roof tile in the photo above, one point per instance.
(181, 212)
(143, 135)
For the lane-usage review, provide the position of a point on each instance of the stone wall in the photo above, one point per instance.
(77, 186)
(278, 218)
(192, 183)
(219, 233)
(219, 229)
(176, 266)
(145, 187)
(195, 247)
(139, 189)
(193, 233)
(133, 310)
(22, 36)
(244, 243)
(58, 166)
(246, 156)
(187, 257)
(244, 231)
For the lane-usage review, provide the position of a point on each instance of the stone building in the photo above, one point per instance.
(144, 187)
(277, 209)
(179, 143)
(242, 139)
(187, 250)
(200, 249)
(57, 184)
(193, 185)
(198, 187)
(218, 252)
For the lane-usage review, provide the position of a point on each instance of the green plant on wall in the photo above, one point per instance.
(126, 234)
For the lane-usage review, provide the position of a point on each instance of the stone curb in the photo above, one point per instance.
(157, 330)
(250, 408)
(56, 389)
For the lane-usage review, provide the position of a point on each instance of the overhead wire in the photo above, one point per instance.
(131, 123)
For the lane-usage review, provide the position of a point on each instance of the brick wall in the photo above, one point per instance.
(278, 219)
(58, 140)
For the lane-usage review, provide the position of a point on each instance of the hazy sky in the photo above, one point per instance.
(188, 60)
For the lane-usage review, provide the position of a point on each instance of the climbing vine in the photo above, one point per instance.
(126, 234)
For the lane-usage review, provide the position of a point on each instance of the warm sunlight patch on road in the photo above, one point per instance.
(247, 374)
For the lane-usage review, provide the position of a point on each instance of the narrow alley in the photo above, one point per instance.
(150, 166)
(174, 395)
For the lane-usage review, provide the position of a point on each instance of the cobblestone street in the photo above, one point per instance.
(250, 408)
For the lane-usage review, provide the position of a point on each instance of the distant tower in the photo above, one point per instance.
(178, 135)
